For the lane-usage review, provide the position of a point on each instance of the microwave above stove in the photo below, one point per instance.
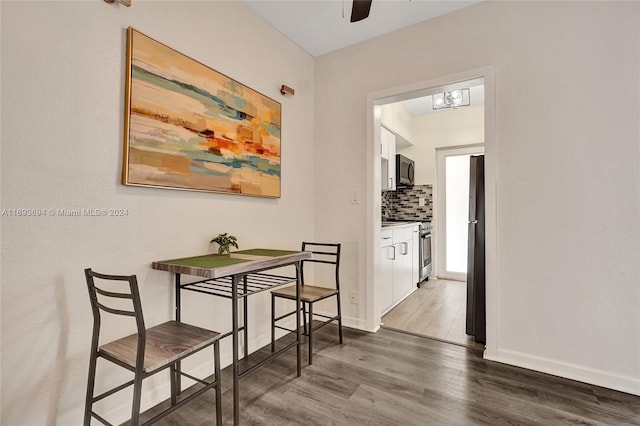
(405, 170)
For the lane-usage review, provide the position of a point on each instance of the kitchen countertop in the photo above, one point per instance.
(398, 224)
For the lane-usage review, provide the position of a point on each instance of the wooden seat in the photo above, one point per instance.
(308, 293)
(146, 352)
(165, 344)
(322, 253)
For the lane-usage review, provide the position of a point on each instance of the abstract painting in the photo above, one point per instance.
(190, 127)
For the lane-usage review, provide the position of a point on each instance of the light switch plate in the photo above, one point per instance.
(355, 197)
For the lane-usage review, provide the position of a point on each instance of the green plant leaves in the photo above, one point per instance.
(225, 241)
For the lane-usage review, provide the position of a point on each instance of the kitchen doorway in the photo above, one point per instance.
(439, 295)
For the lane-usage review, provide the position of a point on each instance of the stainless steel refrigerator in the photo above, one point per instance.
(476, 309)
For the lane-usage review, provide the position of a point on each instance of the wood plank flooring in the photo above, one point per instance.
(437, 310)
(391, 378)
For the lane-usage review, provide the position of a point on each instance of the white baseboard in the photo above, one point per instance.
(357, 323)
(567, 370)
(351, 322)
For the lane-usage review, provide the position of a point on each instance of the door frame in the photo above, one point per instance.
(373, 199)
(440, 202)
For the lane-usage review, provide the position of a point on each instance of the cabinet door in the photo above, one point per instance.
(387, 255)
(392, 161)
(387, 159)
(403, 271)
(385, 183)
(385, 135)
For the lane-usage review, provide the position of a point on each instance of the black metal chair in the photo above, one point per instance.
(146, 352)
(322, 253)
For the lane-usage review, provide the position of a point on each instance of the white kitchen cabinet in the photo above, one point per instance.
(403, 283)
(386, 277)
(398, 265)
(387, 159)
(385, 135)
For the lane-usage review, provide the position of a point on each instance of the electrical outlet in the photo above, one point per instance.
(353, 297)
(422, 201)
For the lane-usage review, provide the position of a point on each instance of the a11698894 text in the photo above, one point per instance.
(59, 212)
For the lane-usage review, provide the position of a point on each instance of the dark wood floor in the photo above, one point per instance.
(391, 378)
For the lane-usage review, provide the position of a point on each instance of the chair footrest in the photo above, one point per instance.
(181, 403)
(323, 323)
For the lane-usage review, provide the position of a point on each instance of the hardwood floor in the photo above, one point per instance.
(437, 310)
(391, 378)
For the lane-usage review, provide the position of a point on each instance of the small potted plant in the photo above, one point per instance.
(225, 242)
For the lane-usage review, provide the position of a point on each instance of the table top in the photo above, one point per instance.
(238, 262)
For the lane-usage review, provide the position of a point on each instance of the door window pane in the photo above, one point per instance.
(457, 211)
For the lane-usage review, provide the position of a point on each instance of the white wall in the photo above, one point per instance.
(395, 117)
(566, 298)
(63, 77)
(462, 126)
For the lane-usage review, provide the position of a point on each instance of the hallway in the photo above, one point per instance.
(437, 310)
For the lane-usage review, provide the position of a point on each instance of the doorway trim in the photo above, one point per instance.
(439, 200)
(373, 203)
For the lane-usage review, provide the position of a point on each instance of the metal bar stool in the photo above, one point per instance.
(323, 253)
(146, 352)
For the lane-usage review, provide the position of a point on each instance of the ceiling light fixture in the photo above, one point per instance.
(452, 99)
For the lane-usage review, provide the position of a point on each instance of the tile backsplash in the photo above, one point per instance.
(404, 203)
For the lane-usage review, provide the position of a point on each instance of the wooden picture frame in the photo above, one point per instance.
(190, 127)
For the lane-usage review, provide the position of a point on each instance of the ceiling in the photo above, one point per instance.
(322, 26)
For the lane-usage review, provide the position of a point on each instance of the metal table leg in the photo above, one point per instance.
(245, 320)
(298, 349)
(178, 369)
(236, 372)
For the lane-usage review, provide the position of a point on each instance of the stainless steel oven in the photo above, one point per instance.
(425, 252)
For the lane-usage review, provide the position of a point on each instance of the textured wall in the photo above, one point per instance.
(63, 77)
(564, 297)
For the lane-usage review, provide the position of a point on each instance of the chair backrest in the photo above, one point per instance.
(327, 253)
(107, 293)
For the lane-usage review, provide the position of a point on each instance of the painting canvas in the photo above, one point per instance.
(190, 127)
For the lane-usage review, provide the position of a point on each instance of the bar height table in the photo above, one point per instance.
(237, 276)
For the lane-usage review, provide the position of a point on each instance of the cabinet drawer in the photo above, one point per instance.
(386, 238)
(402, 234)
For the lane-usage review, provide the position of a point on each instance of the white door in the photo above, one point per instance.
(452, 210)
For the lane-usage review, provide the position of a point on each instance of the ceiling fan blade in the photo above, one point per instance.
(360, 10)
